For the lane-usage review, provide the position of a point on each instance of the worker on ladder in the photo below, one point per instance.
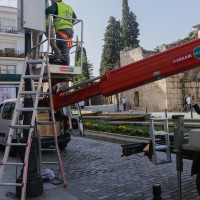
(63, 27)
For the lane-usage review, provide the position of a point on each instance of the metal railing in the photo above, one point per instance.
(13, 30)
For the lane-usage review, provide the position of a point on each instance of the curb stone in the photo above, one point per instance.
(115, 137)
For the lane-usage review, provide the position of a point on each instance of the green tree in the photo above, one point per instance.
(129, 28)
(87, 66)
(111, 48)
(133, 31)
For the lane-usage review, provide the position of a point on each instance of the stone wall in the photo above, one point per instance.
(164, 94)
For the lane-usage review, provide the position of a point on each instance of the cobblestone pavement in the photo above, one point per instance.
(96, 171)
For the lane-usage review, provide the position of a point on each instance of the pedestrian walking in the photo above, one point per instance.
(189, 103)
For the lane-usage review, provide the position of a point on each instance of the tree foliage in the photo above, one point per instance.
(87, 66)
(118, 37)
(111, 47)
(132, 40)
(129, 28)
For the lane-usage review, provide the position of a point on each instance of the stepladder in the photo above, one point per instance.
(26, 105)
(160, 141)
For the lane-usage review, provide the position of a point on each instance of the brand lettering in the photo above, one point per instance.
(182, 58)
(66, 69)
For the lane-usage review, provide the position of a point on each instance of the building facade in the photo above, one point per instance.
(11, 52)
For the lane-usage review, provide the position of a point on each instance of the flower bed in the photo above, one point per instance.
(142, 131)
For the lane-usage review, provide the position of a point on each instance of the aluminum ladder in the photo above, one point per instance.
(34, 94)
(160, 141)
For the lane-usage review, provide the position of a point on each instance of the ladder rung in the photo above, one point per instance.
(162, 147)
(48, 149)
(22, 126)
(53, 163)
(11, 184)
(12, 163)
(28, 92)
(44, 93)
(160, 133)
(25, 109)
(40, 61)
(16, 144)
(43, 108)
(46, 122)
(31, 76)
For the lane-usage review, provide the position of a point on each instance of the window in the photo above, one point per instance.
(7, 69)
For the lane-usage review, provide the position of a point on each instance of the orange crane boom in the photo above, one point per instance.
(161, 65)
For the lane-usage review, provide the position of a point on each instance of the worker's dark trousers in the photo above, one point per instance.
(124, 106)
(62, 45)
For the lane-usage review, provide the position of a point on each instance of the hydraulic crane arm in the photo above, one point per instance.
(164, 64)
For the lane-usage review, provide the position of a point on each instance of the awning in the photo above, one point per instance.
(10, 80)
(10, 77)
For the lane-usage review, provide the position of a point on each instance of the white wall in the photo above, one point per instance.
(11, 40)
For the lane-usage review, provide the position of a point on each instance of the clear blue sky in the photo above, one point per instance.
(160, 22)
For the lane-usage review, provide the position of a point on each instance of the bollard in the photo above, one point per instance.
(191, 110)
(157, 192)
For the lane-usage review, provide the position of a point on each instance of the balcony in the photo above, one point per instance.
(12, 53)
(12, 30)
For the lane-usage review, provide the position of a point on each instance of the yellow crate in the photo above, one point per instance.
(47, 130)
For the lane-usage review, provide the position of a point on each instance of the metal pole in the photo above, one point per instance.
(191, 109)
(165, 112)
(34, 178)
(178, 121)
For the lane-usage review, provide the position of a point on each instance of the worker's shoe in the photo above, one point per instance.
(55, 60)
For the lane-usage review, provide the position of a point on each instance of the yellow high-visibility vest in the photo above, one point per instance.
(64, 10)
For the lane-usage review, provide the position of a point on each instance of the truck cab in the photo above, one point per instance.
(68, 122)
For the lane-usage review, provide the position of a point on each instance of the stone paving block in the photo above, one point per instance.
(103, 197)
(95, 170)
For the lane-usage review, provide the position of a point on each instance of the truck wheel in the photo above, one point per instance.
(198, 182)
